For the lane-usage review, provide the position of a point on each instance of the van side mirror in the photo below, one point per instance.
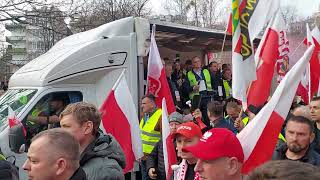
(16, 138)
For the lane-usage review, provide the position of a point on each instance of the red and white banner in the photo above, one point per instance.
(282, 64)
(253, 16)
(259, 137)
(120, 118)
(169, 153)
(309, 85)
(157, 82)
(266, 57)
(315, 64)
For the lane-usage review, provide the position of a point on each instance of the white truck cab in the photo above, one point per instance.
(85, 66)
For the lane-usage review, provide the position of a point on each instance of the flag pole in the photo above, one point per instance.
(223, 43)
(152, 35)
(224, 40)
(295, 50)
(118, 80)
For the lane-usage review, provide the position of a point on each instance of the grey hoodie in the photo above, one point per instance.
(103, 159)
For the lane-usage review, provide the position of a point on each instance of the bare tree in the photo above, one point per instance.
(290, 14)
(98, 12)
(211, 11)
(180, 9)
(49, 26)
(202, 13)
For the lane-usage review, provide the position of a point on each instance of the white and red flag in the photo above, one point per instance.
(120, 118)
(303, 88)
(309, 85)
(259, 137)
(169, 153)
(249, 18)
(266, 57)
(13, 121)
(315, 64)
(157, 83)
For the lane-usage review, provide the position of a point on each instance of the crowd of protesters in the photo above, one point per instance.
(79, 150)
(214, 152)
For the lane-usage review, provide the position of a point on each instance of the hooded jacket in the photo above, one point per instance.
(103, 159)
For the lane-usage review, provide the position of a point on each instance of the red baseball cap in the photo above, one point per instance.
(216, 143)
(189, 130)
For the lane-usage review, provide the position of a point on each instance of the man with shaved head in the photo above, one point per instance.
(302, 111)
(54, 155)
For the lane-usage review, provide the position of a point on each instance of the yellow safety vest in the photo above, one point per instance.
(34, 113)
(2, 157)
(193, 81)
(227, 88)
(281, 137)
(246, 120)
(149, 136)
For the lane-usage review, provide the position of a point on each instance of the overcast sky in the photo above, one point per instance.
(305, 7)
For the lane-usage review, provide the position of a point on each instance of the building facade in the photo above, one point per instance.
(24, 44)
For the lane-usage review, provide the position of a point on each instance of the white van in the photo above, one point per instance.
(85, 66)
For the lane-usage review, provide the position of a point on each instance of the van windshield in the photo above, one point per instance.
(16, 99)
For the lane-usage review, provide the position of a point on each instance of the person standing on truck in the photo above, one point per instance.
(101, 154)
(199, 80)
(150, 129)
(173, 88)
(187, 66)
(179, 79)
(227, 83)
(216, 80)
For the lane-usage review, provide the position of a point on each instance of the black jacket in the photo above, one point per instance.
(316, 142)
(8, 171)
(216, 81)
(79, 174)
(221, 123)
(155, 160)
(173, 88)
(310, 157)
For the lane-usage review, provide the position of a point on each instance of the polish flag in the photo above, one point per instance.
(267, 54)
(120, 118)
(169, 153)
(229, 26)
(303, 88)
(13, 121)
(259, 137)
(315, 64)
(309, 85)
(157, 81)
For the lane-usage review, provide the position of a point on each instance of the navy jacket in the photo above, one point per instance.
(221, 123)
